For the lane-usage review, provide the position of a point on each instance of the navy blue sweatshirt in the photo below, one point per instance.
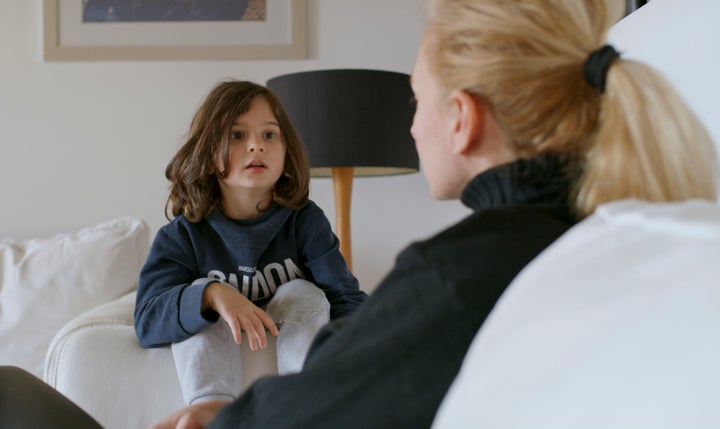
(255, 256)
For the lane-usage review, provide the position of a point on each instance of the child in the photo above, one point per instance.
(246, 246)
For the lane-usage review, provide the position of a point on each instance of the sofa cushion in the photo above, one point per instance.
(44, 283)
(615, 325)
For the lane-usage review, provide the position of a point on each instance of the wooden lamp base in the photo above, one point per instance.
(342, 187)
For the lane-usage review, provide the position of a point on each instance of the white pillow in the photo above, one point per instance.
(44, 283)
(615, 325)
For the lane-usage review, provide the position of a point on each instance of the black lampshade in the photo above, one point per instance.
(351, 118)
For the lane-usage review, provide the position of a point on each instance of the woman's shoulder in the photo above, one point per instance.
(496, 231)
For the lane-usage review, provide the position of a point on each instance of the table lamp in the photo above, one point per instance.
(353, 122)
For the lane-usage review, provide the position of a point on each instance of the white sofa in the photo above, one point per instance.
(47, 282)
(66, 315)
(615, 325)
(100, 348)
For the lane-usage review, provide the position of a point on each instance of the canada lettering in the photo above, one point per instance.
(258, 284)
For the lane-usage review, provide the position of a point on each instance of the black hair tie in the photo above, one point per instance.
(597, 64)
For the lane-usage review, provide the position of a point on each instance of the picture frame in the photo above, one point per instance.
(280, 36)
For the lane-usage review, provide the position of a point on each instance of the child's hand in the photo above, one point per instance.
(240, 314)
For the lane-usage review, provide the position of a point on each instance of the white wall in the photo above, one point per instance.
(673, 37)
(85, 142)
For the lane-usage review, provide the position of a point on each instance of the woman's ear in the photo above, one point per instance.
(467, 116)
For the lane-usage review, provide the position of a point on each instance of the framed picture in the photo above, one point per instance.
(154, 30)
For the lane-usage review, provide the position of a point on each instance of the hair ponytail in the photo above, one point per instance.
(648, 144)
(626, 131)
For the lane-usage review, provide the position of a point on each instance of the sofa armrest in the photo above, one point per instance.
(97, 362)
(117, 313)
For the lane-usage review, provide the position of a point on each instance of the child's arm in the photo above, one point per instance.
(168, 305)
(172, 304)
(327, 266)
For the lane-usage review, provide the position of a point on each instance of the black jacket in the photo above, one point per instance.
(389, 364)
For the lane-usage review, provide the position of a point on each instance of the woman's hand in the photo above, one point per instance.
(192, 417)
(240, 314)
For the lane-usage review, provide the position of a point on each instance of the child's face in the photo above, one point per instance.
(256, 151)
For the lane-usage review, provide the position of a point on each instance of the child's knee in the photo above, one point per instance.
(298, 301)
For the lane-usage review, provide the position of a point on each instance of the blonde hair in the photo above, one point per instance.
(638, 139)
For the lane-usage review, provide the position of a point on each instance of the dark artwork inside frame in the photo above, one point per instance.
(173, 10)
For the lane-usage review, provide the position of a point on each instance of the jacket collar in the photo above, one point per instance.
(543, 181)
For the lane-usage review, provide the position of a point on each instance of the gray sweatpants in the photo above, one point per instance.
(209, 364)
